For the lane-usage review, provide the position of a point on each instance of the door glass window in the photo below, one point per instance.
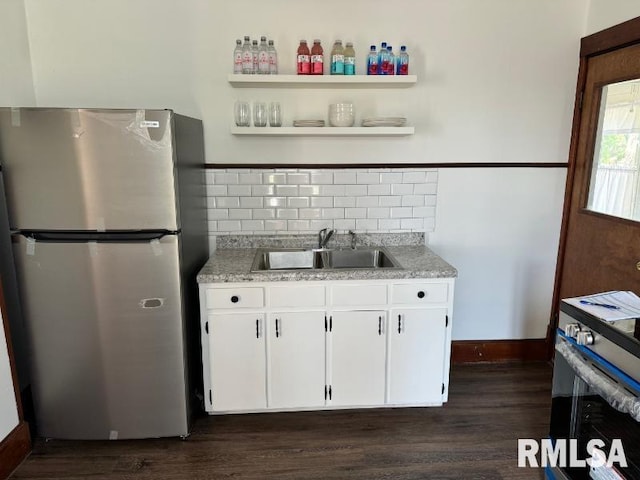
(615, 181)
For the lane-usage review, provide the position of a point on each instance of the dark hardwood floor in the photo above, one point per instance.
(474, 436)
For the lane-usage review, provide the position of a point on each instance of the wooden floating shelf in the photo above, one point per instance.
(324, 131)
(322, 81)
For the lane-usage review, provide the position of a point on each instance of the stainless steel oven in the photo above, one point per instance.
(596, 396)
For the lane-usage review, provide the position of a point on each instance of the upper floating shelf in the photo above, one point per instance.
(322, 81)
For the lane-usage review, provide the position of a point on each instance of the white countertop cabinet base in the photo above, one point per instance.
(315, 345)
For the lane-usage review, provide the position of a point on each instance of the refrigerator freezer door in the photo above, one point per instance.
(69, 169)
(106, 337)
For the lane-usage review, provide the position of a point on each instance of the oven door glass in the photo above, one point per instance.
(591, 401)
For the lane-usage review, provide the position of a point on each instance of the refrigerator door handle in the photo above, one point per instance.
(83, 237)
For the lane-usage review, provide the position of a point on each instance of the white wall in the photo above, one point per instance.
(607, 13)
(16, 82)
(504, 244)
(496, 77)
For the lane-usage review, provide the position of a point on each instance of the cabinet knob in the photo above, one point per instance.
(421, 294)
(235, 299)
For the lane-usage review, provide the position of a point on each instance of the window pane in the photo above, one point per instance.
(614, 187)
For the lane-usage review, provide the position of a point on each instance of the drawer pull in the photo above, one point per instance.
(421, 294)
(235, 299)
(277, 331)
(399, 324)
(379, 325)
(257, 328)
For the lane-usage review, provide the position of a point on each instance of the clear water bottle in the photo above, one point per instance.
(372, 61)
(337, 58)
(383, 59)
(349, 59)
(391, 61)
(254, 52)
(402, 62)
(247, 56)
(263, 57)
(273, 59)
(237, 57)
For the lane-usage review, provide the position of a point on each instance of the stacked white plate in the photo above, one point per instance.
(308, 123)
(384, 122)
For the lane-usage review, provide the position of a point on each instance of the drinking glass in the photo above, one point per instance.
(259, 114)
(242, 114)
(275, 114)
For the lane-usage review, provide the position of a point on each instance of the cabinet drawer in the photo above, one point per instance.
(359, 295)
(297, 296)
(419, 293)
(235, 297)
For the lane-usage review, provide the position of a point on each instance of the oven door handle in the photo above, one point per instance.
(615, 395)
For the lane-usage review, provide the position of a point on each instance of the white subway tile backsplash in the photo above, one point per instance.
(297, 178)
(321, 178)
(367, 201)
(332, 213)
(240, 213)
(368, 178)
(402, 189)
(298, 202)
(287, 213)
(355, 213)
(251, 202)
(322, 201)
(287, 190)
(311, 213)
(274, 178)
(264, 213)
(355, 190)
(413, 200)
(381, 189)
(390, 201)
(344, 177)
(241, 190)
(307, 200)
(344, 224)
(227, 202)
(344, 202)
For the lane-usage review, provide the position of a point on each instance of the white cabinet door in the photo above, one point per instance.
(358, 358)
(416, 355)
(238, 361)
(296, 359)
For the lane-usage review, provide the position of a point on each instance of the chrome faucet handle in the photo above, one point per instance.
(353, 239)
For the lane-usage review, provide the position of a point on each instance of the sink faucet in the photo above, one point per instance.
(323, 237)
(353, 239)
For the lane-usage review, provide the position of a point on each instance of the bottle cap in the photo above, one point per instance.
(372, 48)
(316, 41)
(384, 44)
(339, 41)
(389, 48)
(254, 42)
(403, 48)
(270, 42)
(349, 44)
(246, 38)
(303, 41)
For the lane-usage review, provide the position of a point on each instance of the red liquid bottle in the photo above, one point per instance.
(317, 58)
(304, 59)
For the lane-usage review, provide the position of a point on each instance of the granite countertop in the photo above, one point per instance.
(234, 256)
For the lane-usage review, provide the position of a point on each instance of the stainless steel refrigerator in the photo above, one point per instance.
(108, 227)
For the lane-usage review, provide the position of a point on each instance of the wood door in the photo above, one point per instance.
(602, 248)
(416, 355)
(358, 358)
(296, 359)
(238, 361)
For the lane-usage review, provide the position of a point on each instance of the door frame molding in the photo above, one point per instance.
(613, 38)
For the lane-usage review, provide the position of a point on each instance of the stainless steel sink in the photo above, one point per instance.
(374, 257)
(270, 259)
(284, 259)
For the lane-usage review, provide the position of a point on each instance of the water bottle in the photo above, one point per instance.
(263, 57)
(247, 56)
(337, 58)
(391, 63)
(349, 60)
(254, 52)
(273, 59)
(237, 57)
(402, 63)
(383, 59)
(372, 61)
